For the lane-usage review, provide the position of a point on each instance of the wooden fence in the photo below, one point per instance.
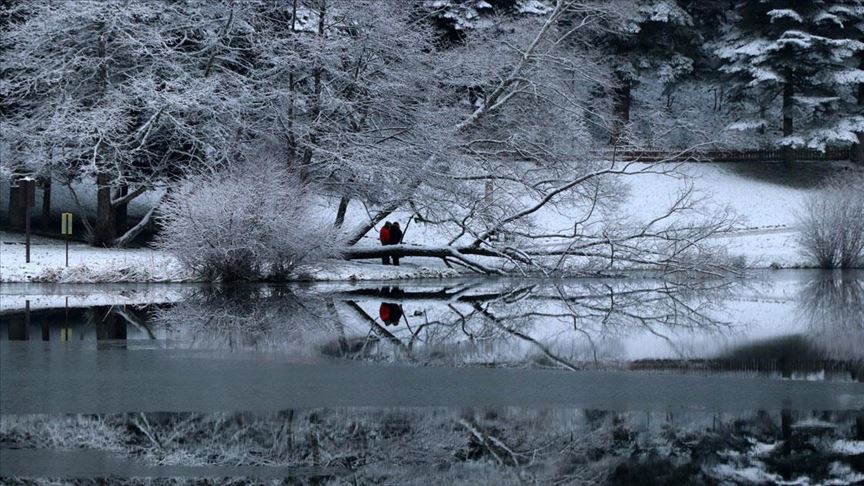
(725, 155)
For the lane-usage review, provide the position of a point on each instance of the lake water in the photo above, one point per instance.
(630, 380)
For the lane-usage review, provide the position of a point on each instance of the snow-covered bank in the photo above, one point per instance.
(87, 264)
(91, 265)
(767, 204)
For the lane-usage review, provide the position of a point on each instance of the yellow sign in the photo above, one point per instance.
(66, 224)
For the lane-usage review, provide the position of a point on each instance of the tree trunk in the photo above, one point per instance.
(106, 224)
(134, 231)
(16, 204)
(340, 213)
(621, 108)
(121, 211)
(45, 219)
(788, 92)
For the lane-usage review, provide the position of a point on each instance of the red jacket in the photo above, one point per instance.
(384, 235)
(384, 312)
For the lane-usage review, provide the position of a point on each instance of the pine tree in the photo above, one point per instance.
(784, 49)
(652, 37)
(845, 19)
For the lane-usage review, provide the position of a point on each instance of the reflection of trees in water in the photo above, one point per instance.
(564, 325)
(834, 301)
(833, 306)
(246, 317)
(495, 445)
(567, 325)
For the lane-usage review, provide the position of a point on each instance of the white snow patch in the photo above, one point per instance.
(747, 475)
(356, 271)
(849, 447)
(86, 263)
(785, 13)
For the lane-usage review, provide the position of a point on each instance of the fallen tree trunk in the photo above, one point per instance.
(443, 252)
(668, 264)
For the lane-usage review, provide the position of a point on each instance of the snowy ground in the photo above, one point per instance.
(86, 263)
(766, 199)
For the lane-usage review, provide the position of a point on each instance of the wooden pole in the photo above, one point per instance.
(27, 232)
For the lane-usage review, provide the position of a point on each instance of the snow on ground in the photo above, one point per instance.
(86, 263)
(849, 447)
(767, 206)
(367, 270)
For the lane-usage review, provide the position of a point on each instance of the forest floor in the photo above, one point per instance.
(766, 198)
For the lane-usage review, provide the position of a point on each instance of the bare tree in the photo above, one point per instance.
(251, 220)
(831, 223)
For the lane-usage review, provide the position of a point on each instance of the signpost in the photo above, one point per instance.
(28, 193)
(66, 230)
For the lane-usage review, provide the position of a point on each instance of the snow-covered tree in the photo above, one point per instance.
(345, 91)
(652, 37)
(122, 94)
(783, 49)
(845, 19)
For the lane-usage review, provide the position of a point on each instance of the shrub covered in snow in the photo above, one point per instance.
(832, 223)
(246, 222)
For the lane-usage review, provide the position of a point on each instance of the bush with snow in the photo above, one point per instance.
(250, 221)
(832, 223)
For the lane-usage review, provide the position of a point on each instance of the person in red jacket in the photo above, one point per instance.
(384, 238)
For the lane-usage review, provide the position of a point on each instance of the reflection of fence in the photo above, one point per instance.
(725, 155)
(856, 369)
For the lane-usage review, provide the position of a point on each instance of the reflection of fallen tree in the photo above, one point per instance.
(378, 328)
(501, 323)
(475, 317)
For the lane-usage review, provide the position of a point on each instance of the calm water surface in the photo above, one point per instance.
(489, 380)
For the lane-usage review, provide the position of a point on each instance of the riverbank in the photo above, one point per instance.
(766, 197)
(114, 265)
(759, 247)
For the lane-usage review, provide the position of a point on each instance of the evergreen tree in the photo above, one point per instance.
(784, 49)
(845, 19)
(653, 37)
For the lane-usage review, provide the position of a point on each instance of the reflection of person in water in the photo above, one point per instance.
(390, 313)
